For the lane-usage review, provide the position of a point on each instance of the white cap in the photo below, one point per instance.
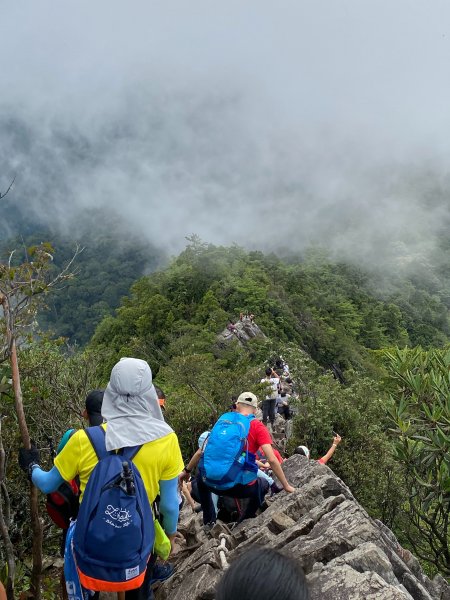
(248, 398)
(302, 450)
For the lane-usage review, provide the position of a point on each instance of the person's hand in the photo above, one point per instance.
(289, 489)
(28, 458)
(337, 439)
(183, 476)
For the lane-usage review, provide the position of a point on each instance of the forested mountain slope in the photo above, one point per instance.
(328, 321)
(335, 312)
(111, 259)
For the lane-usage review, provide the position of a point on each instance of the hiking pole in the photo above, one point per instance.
(128, 478)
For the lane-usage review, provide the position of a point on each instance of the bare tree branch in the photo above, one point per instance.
(2, 195)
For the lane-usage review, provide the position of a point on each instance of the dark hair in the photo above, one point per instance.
(268, 371)
(300, 450)
(161, 395)
(94, 401)
(263, 574)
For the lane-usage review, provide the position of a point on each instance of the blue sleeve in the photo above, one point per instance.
(168, 505)
(46, 481)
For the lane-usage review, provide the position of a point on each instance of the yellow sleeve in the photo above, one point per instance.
(174, 464)
(68, 460)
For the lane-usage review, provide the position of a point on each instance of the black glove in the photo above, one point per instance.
(27, 458)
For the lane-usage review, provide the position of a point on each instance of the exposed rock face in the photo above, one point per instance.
(244, 331)
(345, 554)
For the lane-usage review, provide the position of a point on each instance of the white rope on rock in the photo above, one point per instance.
(222, 551)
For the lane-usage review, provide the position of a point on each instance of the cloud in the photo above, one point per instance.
(273, 126)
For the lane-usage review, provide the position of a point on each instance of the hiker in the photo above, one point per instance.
(283, 405)
(268, 405)
(231, 470)
(232, 327)
(263, 574)
(304, 451)
(186, 473)
(63, 504)
(134, 422)
(192, 486)
(161, 398)
(287, 386)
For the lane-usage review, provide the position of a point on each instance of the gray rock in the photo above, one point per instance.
(244, 332)
(196, 585)
(345, 554)
(344, 583)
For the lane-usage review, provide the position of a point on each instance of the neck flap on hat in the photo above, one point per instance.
(130, 406)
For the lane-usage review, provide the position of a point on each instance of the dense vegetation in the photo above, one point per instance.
(331, 322)
(330, 310)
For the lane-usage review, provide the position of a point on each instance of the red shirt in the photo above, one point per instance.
(263, 456)
(258, 435)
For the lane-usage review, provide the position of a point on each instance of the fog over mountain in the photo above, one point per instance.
(273, 125)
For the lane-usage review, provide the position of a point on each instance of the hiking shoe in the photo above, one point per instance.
(161, 572)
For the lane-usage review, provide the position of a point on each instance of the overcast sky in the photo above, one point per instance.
(268, 124)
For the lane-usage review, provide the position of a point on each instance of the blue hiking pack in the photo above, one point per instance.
(226, 461)
(114, 533)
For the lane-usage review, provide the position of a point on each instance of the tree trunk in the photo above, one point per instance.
(36, 524)
(4, 523)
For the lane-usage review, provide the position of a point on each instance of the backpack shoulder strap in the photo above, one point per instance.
(130, 452)
(96, 435)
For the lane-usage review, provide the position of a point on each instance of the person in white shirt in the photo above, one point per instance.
(269, 404)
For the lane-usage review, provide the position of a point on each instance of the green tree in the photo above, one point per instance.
(23, 284)
(357, 411)
(420, 412)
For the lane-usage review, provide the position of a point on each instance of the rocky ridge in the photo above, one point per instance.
(345, 553)
(244, 331)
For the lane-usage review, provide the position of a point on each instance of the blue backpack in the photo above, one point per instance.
(114, 533)
(226, 461)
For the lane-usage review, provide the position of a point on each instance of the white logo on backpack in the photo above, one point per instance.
(130, 573)
(121, 517)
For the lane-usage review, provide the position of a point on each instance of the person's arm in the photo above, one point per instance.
(276, 467)
(168, 505)
(186, 472)
(46, 481)
(329, 454)
(187, 495)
